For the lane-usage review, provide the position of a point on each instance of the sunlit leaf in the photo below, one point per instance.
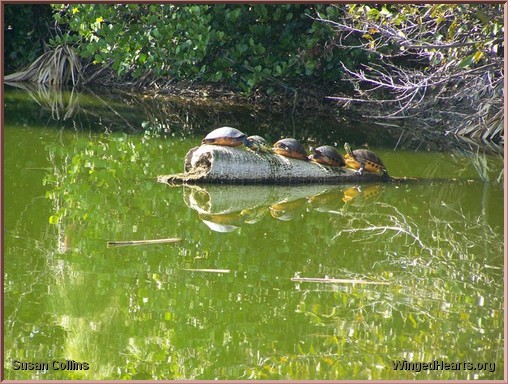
(466, 62)
(54, 219)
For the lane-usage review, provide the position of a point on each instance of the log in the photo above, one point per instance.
(236, 165)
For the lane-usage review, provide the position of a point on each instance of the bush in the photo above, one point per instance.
(26, 29)
(240, 45)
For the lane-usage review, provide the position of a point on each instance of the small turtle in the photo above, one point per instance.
(327, 155)
(290, 148)
(363, 159)
(259, 144)
(227, 136)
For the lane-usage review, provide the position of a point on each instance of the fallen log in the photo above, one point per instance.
(236, 165)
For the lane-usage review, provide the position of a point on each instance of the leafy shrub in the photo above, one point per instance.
(241, 45)
(26, 28)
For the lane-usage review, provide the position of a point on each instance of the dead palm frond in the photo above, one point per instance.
(58, 66)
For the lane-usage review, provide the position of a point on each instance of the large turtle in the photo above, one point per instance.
(290, 148)
(364, 159)
(227, 136)
(327, 155)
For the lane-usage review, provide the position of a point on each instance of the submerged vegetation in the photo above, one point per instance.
(439, 63)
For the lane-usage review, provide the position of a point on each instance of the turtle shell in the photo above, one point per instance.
(258, 144)
(364, 158)
(327, 155)
(227, 136)
(290, 148)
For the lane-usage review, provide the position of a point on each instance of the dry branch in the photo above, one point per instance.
(432, 93)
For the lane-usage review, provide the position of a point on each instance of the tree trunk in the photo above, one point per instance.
(228, 165)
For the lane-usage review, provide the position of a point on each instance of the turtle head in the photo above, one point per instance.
(280, 145)
(347, 147)
(247, 142)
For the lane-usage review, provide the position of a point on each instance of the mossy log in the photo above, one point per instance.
(228, 165)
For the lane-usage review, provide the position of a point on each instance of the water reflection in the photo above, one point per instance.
(272, 299)
(99, 110)
(225, 208)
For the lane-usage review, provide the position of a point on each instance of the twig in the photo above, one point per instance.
(142, 242)
(97, 73)
(336, 281)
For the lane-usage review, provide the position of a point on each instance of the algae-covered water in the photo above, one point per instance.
(307, 282)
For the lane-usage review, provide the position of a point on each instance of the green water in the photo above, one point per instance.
(408, 272)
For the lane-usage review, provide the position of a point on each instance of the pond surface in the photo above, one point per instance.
(302, 282)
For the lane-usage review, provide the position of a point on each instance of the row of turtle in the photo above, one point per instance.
(359, 159)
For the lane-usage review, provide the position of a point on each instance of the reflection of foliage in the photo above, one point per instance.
(397, 225)
(63, 105)
(94, 167)
(42, 104)
(437, 261)
(79, 319)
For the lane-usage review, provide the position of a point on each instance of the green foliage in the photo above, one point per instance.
(137, 39)
(267, 42)
(25, 31)
(461, 35)
(241, 45)
(247, 46)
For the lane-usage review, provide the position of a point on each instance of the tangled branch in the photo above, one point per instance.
(424, 71)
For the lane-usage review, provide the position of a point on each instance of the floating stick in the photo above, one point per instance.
(342, 281)
(142, 242)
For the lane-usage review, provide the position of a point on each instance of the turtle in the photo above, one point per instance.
(364, 159)
(290, 148)
(227, 136)
(259, 144)
(327, 155)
